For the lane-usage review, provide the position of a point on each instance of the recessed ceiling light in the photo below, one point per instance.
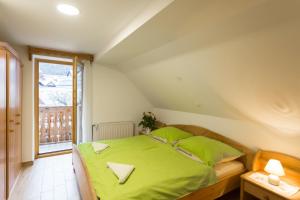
(67, 9)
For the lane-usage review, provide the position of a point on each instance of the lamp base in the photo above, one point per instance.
(273, 179)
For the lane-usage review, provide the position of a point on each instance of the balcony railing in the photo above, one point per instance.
(55, 124)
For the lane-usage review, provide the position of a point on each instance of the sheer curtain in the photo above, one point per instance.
(87, 103)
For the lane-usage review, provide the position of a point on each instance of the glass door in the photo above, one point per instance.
(54, 113)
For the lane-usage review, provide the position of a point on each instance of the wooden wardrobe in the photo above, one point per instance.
(10, 118)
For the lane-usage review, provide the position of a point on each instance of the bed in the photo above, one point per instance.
(203, 182)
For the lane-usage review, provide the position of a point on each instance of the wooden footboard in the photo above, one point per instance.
(87, 191)
(216, 190)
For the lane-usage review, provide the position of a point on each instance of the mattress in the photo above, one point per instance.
(228, 169)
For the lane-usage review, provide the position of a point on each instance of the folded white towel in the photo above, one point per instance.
(98, 147)
(122, 171)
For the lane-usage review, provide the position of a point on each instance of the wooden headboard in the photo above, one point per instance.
(196, 130)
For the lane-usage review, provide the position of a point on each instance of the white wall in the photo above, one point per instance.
(115, 97)
(240, 76)
(248, 133)
(27, 105)
(238, 71)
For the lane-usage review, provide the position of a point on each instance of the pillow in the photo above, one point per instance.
(228, 159)
(208, 150)
(163, 140)
(187, 154)
(171, 134)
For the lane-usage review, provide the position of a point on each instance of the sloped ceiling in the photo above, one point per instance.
(98, 26)
(232, 59)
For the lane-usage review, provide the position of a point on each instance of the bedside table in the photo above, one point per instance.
(250, 187)
(255, 185)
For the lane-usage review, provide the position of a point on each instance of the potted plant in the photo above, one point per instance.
(148, 122)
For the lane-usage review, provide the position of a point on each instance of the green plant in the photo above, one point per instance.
(148, 121)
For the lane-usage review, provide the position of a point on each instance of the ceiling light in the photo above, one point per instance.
(67, 9)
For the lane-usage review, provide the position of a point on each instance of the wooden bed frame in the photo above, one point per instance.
(214, 191)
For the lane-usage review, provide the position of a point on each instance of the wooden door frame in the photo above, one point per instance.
(36, 104)
(74, 101)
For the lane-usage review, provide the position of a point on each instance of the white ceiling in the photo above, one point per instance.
(230, 59)
(185, 25)
(38, 23)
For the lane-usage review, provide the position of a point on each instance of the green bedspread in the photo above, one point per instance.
(160, 171)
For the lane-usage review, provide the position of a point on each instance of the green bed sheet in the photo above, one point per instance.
(160, 171)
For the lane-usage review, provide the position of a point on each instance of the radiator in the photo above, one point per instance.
(112, 130)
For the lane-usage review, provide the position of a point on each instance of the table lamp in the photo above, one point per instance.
(275, 169)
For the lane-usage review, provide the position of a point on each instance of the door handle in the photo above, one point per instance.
(18, 123)
(18, 115)
(11, 121)
(11, 131)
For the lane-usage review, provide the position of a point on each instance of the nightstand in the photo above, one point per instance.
(251, 188)
(255, 184)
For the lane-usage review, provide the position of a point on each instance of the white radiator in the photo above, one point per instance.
(112, 130)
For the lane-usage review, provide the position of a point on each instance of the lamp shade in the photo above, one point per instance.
(274, 167)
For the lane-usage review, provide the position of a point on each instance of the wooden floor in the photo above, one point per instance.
(52, 178)
(234, 195)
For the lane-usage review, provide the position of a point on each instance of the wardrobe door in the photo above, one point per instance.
(11, 120)
(18, 147)
(2, 124)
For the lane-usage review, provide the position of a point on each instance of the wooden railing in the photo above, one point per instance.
(55, 124)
